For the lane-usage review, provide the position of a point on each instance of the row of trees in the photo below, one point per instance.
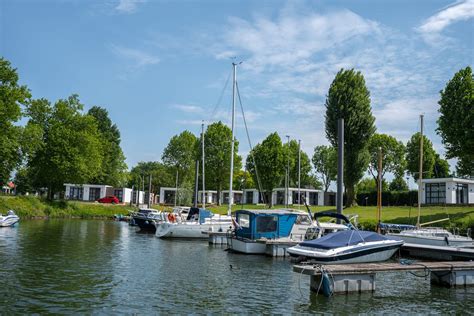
(59, 142)
(348, 98)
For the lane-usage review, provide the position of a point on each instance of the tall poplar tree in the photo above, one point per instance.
(349, 98)
(456, 121)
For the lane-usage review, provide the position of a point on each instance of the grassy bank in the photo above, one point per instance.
(30, 207)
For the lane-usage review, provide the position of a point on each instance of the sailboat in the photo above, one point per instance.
(432, 236)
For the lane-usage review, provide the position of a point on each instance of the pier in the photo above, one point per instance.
(355, 278)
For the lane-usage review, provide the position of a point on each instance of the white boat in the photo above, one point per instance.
(256, 227)
(434, 236)
(193, 225)
(350, 246)
(9, 220)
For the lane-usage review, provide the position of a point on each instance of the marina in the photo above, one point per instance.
(97, 266)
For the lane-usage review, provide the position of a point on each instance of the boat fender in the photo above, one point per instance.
(446, 240)
(326, 286)
(171, 217)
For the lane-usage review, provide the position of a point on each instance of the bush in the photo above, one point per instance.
(389, 198)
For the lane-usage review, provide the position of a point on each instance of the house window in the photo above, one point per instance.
(266, 224)
(94, 194)
(435, 193)
(249, 197)
(461, 193)
(76, 193)
(119, 194)
(313, 198)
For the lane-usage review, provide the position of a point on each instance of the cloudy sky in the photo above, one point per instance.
(160, 67)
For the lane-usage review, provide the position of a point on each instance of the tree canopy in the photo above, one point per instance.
(270, 163)
(12, 96)
(113, 167)
(349, 98)
(456, 121)
(161, 176)
(67, 148)
(413, 156)
(306, 177)
(393, 155)
(180, 154)
(325, 164)
(217, 147)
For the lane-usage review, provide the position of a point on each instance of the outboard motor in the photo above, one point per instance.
(10, 212)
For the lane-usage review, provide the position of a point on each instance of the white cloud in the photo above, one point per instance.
(188, 108)
(128, 6)
(434, 25)
(138, 57)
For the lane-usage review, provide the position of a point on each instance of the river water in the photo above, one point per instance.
(106, 267)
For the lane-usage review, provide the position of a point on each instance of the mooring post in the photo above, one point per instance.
(340, 164)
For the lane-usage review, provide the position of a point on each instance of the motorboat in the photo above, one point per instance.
(9, 220)
(255, 227)
(192, 224)
(349, 246)
(433, 236)
(145, 218)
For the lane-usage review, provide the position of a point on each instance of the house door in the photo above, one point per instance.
(94, 194)
(461, 194)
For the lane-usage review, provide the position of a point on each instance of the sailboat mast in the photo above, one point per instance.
(203, 179)
(231, 195)
(420, 177)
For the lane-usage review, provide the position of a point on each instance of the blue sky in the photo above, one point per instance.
(159, 67)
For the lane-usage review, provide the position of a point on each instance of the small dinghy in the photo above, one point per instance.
(350, 246)
(9, 220)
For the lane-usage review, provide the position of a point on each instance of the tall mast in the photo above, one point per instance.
(203, 179)
(299, 173)
(420, 177)
(231, 195)
(287, 180)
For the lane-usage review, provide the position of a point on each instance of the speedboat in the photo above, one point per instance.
(350, 246)
(255, 227)
(433, 236)
(145, 219)
(9, 220)
(192, 224)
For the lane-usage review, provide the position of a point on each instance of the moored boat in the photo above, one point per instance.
(145, 219)
(351, 246)
(192, 224)
(9, 220)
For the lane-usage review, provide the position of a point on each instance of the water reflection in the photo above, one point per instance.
(63, 266)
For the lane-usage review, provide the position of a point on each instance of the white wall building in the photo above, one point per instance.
(123, 194)
(447, 191)
(85, 192)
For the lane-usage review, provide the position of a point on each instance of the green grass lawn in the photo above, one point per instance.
(30, 206)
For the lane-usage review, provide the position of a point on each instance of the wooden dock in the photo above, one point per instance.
(349, 278)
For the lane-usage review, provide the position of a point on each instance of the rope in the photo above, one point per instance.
(260, 188)
(213, 113)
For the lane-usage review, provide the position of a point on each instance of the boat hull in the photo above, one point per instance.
(9, 220)
(376, 253)
(434, 241)
(189, 230)
(145, 224)
(247, 246)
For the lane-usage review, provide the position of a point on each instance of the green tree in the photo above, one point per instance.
(398, 184)
(243, 180)
(180, 154)
(413, 156)
(393, 155)
(368, 185)
(305, 166)
(217, 147)
(67, 148)
(441, 168)
(12, 96)
(456, 122)
(161, 176)
(325, 164)
(270, 164)
(113, 167)
(23, 181)
(349, 98)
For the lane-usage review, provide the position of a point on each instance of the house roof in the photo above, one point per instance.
(458, 180)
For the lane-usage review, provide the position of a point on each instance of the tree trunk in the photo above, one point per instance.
(269, 196)
(350, 196)
(219, 195)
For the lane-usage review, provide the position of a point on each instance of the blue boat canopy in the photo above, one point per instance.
(344, 238)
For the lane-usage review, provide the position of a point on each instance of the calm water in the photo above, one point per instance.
(92, 267)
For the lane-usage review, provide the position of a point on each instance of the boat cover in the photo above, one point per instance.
(344, 238)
